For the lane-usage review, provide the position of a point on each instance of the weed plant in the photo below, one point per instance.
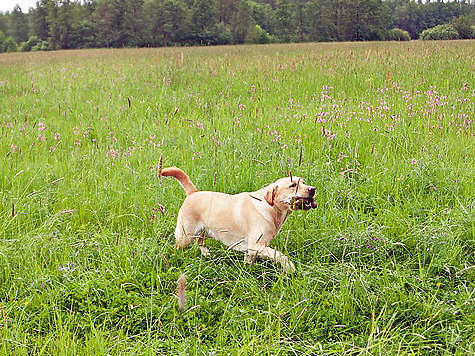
(384, 264)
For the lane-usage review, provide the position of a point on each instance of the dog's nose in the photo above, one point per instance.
(311, 191)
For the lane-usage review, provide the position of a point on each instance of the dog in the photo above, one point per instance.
(245, 222)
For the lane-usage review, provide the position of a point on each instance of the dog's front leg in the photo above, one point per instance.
(263, 251)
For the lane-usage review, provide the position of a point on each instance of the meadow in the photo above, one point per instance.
(384, 263)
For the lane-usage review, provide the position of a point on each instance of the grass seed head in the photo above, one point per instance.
(181, 284)
(159, 169)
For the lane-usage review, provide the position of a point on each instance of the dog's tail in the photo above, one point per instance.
(184, 180)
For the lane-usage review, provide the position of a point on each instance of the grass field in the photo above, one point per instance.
(384, 131)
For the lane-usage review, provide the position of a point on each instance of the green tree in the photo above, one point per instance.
(439, 32)
(338, 16)
(204, 20)
(2, 40)
(242, 22)
(121, 25)
(10, 45)
(437, 13)
(396, 34)
(226, 10)
(137, 22)
(86, 33)
(169, 20)
(7, 44)
(19, 24)
(283, 21)
(204, 15)
(463, 25)
(3, 22)
(300, 18)
(64, 21)
(321, 27)
(54, 38)
(222, 35)
(83, 35)
(104, 16)
(28, 45)
(258, 35)
(368, 20)
(408, 17)
(262, 15)
(40, 25)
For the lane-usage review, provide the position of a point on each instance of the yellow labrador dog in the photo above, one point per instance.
(245, 222)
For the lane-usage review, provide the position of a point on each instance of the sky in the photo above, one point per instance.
(7, 5)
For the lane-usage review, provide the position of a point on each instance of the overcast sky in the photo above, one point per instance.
(7, 5)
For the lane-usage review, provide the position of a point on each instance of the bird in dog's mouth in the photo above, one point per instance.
(301, 203)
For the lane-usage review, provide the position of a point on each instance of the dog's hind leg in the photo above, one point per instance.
(186, 233)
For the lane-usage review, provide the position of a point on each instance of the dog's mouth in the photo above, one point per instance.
(300, 203)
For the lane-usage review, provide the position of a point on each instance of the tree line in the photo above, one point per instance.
(66, 24)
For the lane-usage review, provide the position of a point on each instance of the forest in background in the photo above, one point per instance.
(66, 24)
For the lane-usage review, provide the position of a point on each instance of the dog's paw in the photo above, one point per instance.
(204, 251)
(250, 257)
(288, 265)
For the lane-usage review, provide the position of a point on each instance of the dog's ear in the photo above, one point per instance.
(270, 194)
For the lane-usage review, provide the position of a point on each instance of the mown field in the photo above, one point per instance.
(384, 131)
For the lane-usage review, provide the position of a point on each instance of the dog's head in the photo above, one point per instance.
(290, 192)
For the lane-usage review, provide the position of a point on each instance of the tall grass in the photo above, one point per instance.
(384, 130)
